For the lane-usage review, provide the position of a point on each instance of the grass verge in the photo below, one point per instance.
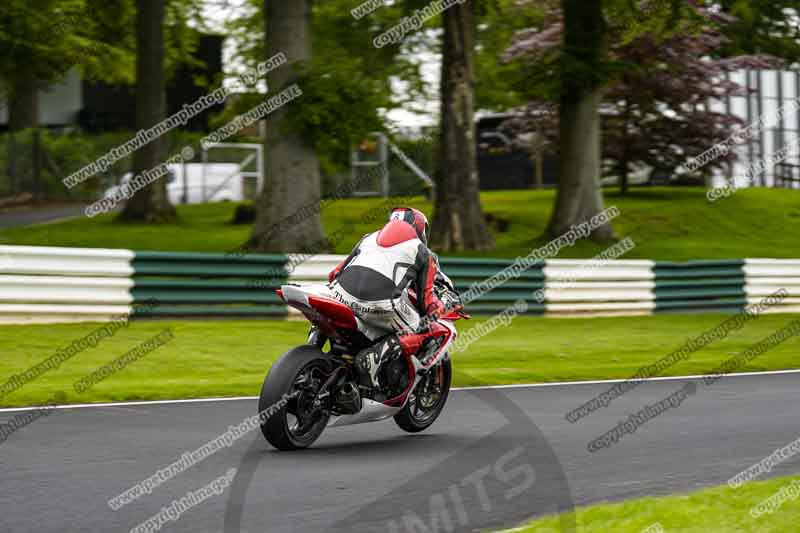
(714, 510)
(231, 357)
(669, 223)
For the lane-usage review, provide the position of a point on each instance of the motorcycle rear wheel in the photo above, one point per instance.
(427, 400)
(286, 396)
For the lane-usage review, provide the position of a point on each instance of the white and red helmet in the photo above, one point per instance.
(415, 217)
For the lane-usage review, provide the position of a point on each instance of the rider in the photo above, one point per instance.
(374, 281)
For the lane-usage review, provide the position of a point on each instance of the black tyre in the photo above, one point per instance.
(427, 400)
(286, 397)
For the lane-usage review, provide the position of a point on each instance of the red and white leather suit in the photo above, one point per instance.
(375, 278)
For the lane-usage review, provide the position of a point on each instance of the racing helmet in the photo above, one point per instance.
(415, 217)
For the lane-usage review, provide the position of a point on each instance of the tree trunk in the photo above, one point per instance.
(23, 113)
(623, 178)
(23, 101)
(579, 195)
(36, 156)
(287, 212)
(151, 204)
(623, 175)
(539, 171)
(458, 222)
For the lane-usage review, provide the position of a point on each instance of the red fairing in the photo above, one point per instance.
(454, 315)
(339, 314)
(398, 400)
(437, 330)
(395, 232)
(411, 343)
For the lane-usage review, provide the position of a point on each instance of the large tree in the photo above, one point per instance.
(151, 204)
(24, 65)
(458, 222)
(573, 70)
(579, 195)
(654, 110)
(348, 85)
(292, 167)
(657, 114)
(41, 40)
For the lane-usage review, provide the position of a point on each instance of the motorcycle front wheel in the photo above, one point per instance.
(427, 400)
(288, 419)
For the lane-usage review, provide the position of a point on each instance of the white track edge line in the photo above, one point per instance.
(479, 387)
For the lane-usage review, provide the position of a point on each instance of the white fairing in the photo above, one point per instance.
(371, 411)
(300, 293)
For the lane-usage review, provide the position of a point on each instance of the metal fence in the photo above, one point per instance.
(768, 92)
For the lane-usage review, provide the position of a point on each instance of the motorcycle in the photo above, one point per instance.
(308, 389)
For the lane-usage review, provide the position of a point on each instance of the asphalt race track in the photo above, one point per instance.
(487, 463)
(25, 217)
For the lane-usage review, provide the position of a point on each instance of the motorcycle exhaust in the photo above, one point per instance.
(347, 399)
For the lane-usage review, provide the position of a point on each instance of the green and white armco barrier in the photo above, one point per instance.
(46, 284)
(39, 284)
